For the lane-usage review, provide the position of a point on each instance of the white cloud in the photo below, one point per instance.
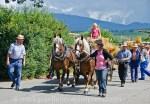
(67, 10)
(60, 9)
(53, 7)
(110, 16)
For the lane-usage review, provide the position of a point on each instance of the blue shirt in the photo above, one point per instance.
(124, 54)
(16, 51)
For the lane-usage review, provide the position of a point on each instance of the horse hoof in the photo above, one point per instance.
(68, 84)
(85, 92)
(95, 87)
(60, 89)
(73, 86)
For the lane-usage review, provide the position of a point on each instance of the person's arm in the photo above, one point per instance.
(7, 60)
(108, 55)
(127, 58)
(24, 58)
(100, 33)
(9, 53)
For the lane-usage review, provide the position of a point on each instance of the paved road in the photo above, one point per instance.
(45, 92)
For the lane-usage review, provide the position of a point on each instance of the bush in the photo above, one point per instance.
(38, 28)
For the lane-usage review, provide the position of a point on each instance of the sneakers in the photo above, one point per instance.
(17, 89)
(13, 85)
(133, 81)
(122, 84)
(141, 78)
(102, 94)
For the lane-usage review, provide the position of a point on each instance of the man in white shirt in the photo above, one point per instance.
(15, 60)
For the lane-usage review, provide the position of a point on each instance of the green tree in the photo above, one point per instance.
(38, 28)
(37, 3)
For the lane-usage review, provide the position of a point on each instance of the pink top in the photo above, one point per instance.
(100, 61)
(95, 32)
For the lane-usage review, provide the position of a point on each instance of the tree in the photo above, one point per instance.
(37, 3)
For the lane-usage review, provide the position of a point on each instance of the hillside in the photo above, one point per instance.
(77, 23)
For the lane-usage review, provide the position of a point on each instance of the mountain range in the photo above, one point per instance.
(80, 24)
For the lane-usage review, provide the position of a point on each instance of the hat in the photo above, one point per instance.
(141, 45)
(20, 37)
(124, 45)
(99, 42)
(135, 45)
(147, 46)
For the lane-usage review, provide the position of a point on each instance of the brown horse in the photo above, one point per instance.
(84, 64)
(62, 59)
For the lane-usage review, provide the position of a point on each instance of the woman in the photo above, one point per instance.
(101, 59)
(95, 32)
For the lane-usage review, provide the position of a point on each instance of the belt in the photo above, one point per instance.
(16, 59)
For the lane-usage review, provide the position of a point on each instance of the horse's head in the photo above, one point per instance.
(79, 46)
(58, 46)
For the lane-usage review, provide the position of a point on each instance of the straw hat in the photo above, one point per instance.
(147, 46)
(135, 45)
(20, 37)
(124, 45)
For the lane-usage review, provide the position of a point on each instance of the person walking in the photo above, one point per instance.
(144, 62)
(123, 57)
(134, 63)
(15, 61)
(101, 57)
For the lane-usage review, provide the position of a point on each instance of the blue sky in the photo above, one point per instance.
(118, 11)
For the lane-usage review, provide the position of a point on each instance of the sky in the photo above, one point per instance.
(117, 11)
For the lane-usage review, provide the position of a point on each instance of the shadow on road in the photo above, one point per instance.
(52, 87)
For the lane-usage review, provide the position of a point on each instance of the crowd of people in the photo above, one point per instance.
(135, 58)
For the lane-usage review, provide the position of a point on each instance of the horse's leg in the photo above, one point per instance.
(60, 80)
(88, 79)
(68, 82)
(74, 77)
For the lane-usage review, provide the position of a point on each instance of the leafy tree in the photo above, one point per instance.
(38, 28)
(37, 3)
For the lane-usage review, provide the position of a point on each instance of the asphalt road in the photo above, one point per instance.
(43, 91)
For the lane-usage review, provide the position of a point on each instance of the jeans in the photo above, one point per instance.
(143, 70)
(122, 70)
(102, 79)
(134, 73)
(14, 71)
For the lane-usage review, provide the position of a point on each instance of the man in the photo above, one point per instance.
(134, 63)
(123, 57)
(15, 60)
(144, 62)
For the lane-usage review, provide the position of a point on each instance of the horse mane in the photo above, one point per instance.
(85, 43)
(58, 39)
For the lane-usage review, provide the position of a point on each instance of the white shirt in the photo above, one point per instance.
(16, 51)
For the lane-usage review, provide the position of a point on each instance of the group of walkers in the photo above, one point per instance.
(133, 59)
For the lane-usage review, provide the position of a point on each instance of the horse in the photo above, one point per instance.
(62, 59)
(85, 65)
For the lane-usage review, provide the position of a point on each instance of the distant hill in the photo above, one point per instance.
(78, 24)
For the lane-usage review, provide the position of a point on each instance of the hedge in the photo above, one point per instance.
(38, 27)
